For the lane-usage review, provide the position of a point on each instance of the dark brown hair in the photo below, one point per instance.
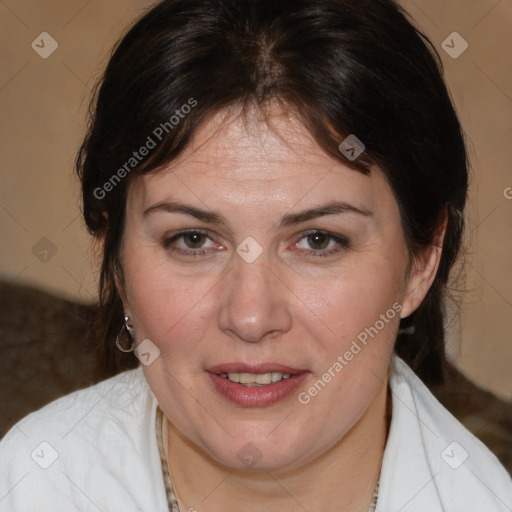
(341, 66)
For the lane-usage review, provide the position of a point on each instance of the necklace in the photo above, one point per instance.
(169, 490)
(375, 497)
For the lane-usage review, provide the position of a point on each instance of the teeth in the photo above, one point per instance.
(264, 378)
(256, 379)
(276, 376)
(246, 378)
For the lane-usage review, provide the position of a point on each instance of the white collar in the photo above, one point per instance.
(423, 467)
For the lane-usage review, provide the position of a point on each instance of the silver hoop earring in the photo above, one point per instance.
(128, 327)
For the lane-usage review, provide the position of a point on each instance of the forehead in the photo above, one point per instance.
(241, 158)
(272, 141)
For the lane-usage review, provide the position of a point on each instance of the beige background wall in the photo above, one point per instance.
(43, 104)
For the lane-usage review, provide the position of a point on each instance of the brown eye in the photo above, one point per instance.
(194, 239)
(189, 243)
(322, 243)
(318, 240)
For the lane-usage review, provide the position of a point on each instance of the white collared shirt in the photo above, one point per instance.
(96, 450)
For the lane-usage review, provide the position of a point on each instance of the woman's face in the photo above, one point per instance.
(267, 281)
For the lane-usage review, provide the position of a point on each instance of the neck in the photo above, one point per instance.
(341, 479)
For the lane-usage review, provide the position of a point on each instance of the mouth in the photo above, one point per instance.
(256, 385)
(256, 379)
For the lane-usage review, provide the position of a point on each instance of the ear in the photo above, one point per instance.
(423, 269)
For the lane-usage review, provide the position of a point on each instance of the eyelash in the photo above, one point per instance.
(344, 242)
(341, 240)
(168, 241)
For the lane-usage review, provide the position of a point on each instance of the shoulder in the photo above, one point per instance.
(84, 412)
(452, 468)
(83, 450)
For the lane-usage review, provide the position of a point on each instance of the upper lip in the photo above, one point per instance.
(253, 368)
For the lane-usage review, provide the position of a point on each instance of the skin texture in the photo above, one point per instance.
(288, 306)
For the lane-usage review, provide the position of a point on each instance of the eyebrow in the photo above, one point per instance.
(330, 208)
(209, 217)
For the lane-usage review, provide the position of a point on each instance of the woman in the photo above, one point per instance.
(279, 190)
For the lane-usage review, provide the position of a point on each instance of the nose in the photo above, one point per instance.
(255, 302)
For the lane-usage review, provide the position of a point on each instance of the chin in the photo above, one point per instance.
(255, 453)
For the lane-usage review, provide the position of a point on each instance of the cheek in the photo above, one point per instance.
(355, 301)
(165, 307)
(179, 307)
(359, 317)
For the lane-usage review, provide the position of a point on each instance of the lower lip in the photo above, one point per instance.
(257, 396)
